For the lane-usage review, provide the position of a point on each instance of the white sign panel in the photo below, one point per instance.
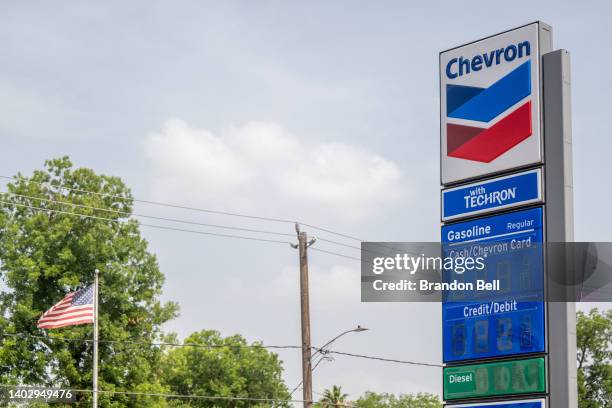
(490, 104)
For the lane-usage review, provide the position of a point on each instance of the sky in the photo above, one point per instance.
(322, 112)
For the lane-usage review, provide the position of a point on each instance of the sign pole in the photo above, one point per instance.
(560, 224)
(95, 342)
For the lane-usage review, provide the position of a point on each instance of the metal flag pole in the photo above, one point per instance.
(95, 343)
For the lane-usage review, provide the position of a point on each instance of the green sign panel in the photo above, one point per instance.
(491, 379)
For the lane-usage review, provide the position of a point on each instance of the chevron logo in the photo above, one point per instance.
(497, 135)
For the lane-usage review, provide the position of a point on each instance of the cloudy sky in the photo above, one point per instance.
(323, 112)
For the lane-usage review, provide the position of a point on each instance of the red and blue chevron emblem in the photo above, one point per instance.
(485, 144)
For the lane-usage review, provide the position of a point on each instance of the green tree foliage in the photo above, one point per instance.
(594, 342)
(46, 254)
(420, 400)
(223, 367)
(333, 398)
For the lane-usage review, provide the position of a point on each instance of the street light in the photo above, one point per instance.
(322, 350)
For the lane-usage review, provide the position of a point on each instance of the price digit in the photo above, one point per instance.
(459, 339)
(504, 334)
(481, 336)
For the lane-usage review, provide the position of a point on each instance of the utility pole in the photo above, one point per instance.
(302, 246)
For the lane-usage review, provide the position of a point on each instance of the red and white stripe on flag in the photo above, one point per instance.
(75, 308)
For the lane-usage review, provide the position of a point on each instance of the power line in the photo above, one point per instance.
(146, 225)
(337, 243)
(335, 253)
(183, 207)
(188, 222)
(174, 228)
(297, 387)
(389, 360)
(132, 214)
(158, 203)
(368, 357)
(332, 232)
(129, 214)
(192, 345)
(209, 211)
(361, 249)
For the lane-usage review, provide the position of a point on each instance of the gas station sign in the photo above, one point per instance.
(505, 140)
(490, 105)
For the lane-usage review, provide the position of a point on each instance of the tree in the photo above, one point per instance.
(217, 366)
(46, 252)
(385, 400)
(594, 343)
(333, 398)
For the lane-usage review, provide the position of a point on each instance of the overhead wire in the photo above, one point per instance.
(297, 387)
(337, 243)
(169, 344)
(131, 214)
(389, 360)
(158, 203)
(363, 356)
(189, 208)
(146, 225)
(362, 250)
(183, 222)
(168, 227)
(335, 253)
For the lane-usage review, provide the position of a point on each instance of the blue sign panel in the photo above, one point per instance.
(486, 196)
(510, 319)
(531, 403)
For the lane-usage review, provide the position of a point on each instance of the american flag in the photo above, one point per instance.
(75, 308)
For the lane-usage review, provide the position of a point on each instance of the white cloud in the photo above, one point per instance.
(343, 176)
(261, 166)
(196, 157)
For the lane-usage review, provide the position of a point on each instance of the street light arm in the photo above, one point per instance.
(321, 349)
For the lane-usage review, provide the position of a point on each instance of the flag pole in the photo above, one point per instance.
(95, 342)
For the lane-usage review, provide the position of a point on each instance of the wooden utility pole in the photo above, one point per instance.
(303, 245)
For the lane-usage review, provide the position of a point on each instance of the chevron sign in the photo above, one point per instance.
(490, 108)
(485, 144)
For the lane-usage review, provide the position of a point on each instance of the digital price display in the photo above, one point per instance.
(495, 379)
(507, 317)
